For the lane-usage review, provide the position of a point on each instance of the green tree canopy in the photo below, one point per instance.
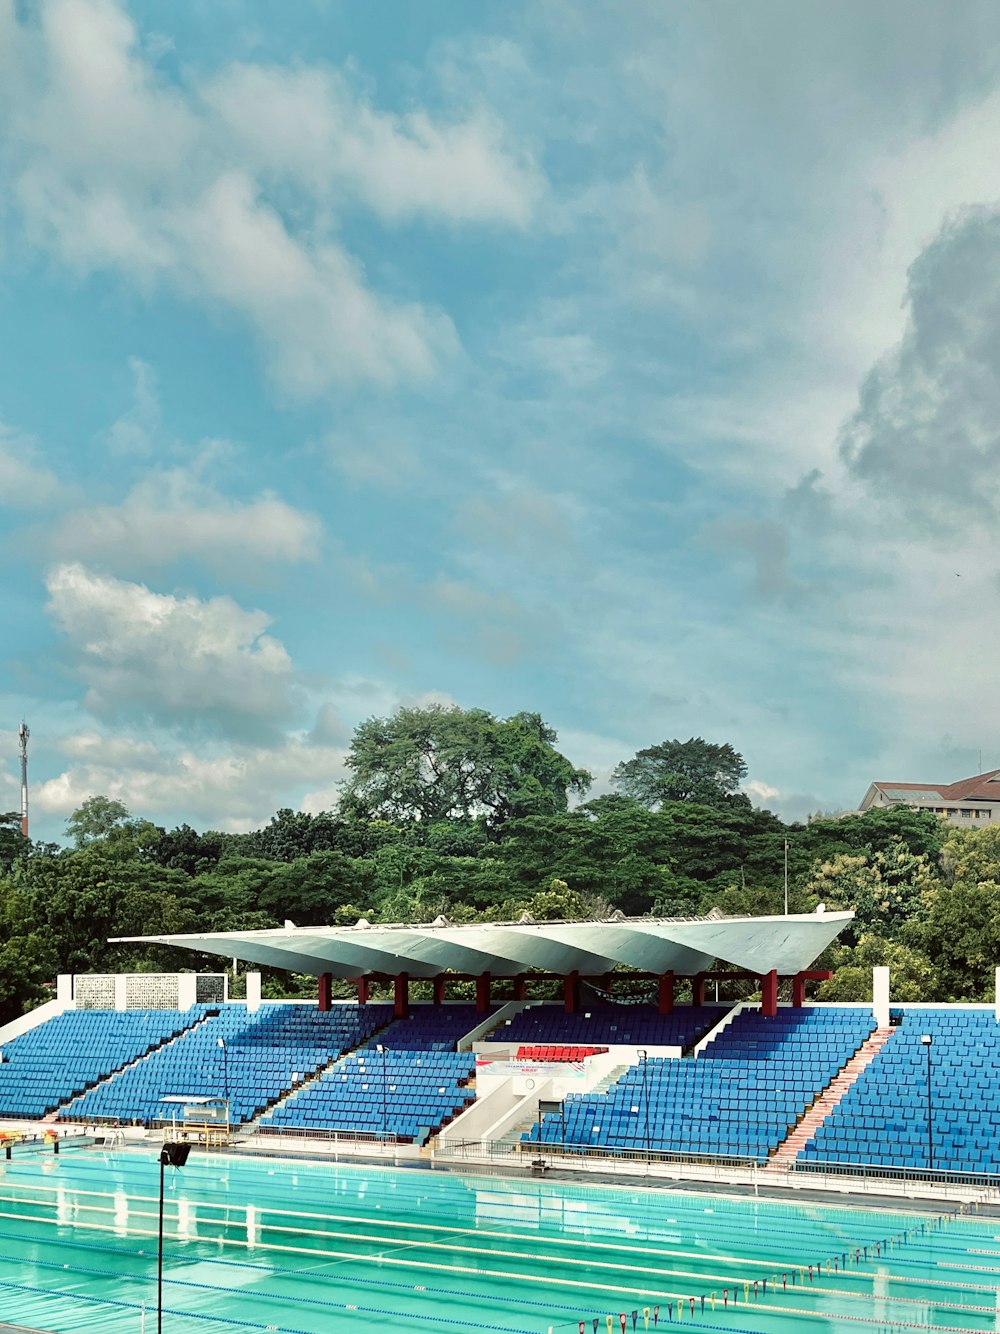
(692, 770)
(440, 763)
(96, 818)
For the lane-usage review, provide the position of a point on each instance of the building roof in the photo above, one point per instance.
(981, 787)
(657, 945)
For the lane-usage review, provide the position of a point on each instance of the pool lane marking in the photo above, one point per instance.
(239, 1292)
(234, 1322)
(679, 1202)
(352, 1255)
(306, 1271)
(611, 1266)
(661, 1253)
(532, 1278)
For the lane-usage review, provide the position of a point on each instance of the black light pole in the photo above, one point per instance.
(927, 1040)
(644, 1057)
(225, 1071)
(385, 1095)
(176, 1155)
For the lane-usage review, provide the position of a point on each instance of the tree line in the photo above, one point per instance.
(457, 812)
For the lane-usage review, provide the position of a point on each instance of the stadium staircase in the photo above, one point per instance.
(251, 1126)
(64, 1110)
(808, 1124)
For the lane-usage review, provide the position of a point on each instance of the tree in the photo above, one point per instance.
(95, 819)
(441, 763)
(693, 770)
(885, 889)
(13, 844)
(912, 973)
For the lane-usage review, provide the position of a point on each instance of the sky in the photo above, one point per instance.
(635, 364)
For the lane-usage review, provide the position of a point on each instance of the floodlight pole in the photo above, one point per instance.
(225, 1071)
(385, 1094)
(643, 1058)
(928, 1041)
(176, 1155)
(159, 1249)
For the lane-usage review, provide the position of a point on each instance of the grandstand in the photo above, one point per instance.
(739, 1099)
(922, 1106)
(791, 1088)
(810, 1088)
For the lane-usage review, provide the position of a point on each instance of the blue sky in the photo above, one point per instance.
(632, 363)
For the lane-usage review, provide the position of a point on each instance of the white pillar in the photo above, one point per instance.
(187, 990)
(880, 996)
(121, 991)
(997, 1009)
(253, 992)
(64, 989)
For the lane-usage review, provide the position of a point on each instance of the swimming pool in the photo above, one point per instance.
(307, 1248)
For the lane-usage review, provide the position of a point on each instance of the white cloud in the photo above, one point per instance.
(113, 168)
(309, 126)
(179, 661)
(233, 790)
(135, 431)
(25, 481)
(172, 516)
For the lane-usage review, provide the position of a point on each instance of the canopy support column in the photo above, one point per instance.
(483, 992)
(571, 992)
(799, 990)
(363, 990)
(698, 989)
(325, 991)
(769, 994)
(401, 995)
(520, 987)
(438, 990)
(665, 992)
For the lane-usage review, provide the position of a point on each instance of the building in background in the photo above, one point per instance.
(974, 802)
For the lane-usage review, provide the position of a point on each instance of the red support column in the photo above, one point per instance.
(439, 990)
(520, 987)
(362, 984)
(571, 992)
(325, 991)
(483, 993)
(769, 993)
(401, 996)
(698, 989)
(666, 993)
(798, 991)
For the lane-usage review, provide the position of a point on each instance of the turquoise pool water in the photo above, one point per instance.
(307, 1248)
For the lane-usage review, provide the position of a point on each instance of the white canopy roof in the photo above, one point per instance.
(657, 945)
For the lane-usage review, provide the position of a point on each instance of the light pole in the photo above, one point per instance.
(928, 1041)
(644, 1057)
(176, 1155)
(225, 1071)
(385, 1094)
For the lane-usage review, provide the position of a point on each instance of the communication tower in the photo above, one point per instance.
(22, 735)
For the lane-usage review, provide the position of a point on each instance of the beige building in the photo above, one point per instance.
(973, 802)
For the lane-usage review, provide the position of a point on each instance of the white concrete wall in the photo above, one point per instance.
(187, 990)
(491, 1105)
(522, 1109)
(24, 1023)
(880, 996)
(498, 1018)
